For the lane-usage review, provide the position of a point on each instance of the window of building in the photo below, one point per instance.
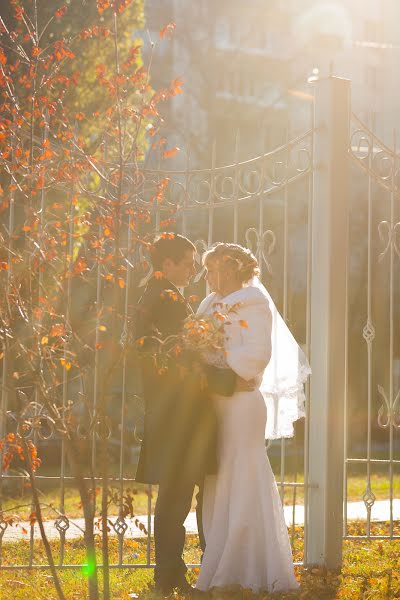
(372, 31)
(222, 31)
(371, 77)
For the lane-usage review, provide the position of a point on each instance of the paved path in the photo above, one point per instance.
(355, 510)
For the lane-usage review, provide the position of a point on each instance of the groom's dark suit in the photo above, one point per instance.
(180, 429)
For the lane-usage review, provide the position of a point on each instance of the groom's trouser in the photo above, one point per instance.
(172, 507)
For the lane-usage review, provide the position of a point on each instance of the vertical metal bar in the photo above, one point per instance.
(124, 338)
(285, 288)
(148, 547)
(99, 289)
(4, 379)
(70, 262)
(368, 336)
(186, 194)
(96, 355)
(37, 325)
(236, 176)
(156, 204)
(212, 194)
(391, 330)
(346, 393)
(260, 235)
(308, 329)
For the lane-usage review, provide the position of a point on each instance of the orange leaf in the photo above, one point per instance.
(176, 86)
(57, 330)
(158, 274)
(60, 12)
(171, 152)
(80, 266)
(121, 283)
(243, 324)
(167, 29)
(102, 5)
(99, 346)
(161, 142)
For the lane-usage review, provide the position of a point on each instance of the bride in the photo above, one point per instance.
(247, 542)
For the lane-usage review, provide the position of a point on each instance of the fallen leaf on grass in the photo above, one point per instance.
(16, 583)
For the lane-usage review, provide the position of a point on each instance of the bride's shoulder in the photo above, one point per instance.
(252, 295)
(204, 304)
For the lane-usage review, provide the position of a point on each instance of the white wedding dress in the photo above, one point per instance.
(247, 541)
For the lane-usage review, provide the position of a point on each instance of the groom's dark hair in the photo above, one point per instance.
(169, 245)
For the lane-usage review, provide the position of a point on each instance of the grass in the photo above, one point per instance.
(50, 496)
(370, 570)
(50, 500)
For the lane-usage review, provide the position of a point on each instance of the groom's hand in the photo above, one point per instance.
(245, 386)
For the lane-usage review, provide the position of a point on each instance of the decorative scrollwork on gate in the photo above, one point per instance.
(228, 184)
(377, 160)
(201, 247)
(120, 526)
(144, 258)
(62, 524)
(3, 527)
(34, 419)
(389, 412)
(262, 244)
(369, 498)
(388, 235)
(369, 332)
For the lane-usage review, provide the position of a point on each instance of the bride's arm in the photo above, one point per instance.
(249, 341)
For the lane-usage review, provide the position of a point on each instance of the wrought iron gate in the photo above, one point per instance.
(278, 204)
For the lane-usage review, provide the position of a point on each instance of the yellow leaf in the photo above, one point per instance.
(45, 340)
(102, 328)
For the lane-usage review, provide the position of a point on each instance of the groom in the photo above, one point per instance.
(180, 428)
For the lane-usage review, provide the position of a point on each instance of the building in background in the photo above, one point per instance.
(246, 68)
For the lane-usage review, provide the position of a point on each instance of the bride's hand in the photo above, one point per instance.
(244, 386)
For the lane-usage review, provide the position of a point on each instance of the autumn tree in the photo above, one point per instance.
(78, 115)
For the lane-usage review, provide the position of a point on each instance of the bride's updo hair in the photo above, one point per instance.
(242, 259)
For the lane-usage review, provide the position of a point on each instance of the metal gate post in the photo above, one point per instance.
(329, 251)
